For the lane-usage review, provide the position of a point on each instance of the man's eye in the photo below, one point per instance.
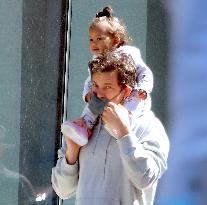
(99, 39)
(90, 39)
(94, 85)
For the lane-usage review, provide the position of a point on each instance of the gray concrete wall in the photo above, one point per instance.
(10, 94)
(31, 69)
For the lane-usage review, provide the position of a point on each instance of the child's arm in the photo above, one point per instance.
(144, 79)
(144, 84)
(87, 89)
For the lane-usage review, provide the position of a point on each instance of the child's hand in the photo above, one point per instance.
(142, 94)
(88, 96)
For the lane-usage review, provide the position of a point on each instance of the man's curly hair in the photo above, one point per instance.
(116, 61)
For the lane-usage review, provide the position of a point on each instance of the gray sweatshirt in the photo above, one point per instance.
(115, 172)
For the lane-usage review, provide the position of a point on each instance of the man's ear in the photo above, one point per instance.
(127, 91)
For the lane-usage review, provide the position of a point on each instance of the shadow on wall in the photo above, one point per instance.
(9, 178)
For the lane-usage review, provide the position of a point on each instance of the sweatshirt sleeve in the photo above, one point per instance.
(64, 177)
(144, 155)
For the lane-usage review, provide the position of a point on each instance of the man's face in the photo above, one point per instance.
(105, 85)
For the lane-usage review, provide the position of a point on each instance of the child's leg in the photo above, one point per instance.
(89, 118)
(80, 132)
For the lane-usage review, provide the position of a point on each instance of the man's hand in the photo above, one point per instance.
(72, 151)
(117, 119)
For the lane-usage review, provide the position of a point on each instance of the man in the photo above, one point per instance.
(124, 158)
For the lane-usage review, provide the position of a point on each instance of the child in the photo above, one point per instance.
(108, 34)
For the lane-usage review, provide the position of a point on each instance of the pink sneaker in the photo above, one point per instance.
(75, 132)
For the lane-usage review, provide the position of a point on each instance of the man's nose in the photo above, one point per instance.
(99, 93)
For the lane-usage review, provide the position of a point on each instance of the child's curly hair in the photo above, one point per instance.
(116, 61)
(116, 28)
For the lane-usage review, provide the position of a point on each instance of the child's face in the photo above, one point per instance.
(100, 40)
